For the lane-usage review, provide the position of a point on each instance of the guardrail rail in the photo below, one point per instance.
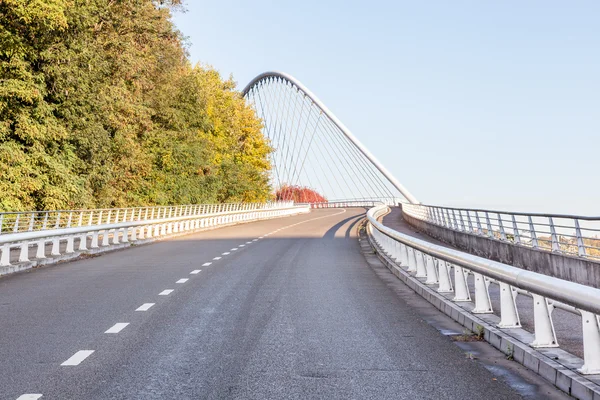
(93, 229)
(449, 269)
(565, 234)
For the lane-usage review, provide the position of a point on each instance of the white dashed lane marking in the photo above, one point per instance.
(248, 242)
(196, 271)
(217, 258)
(255, 240)
(118, 327)
(226, 253)
(234, 249)
(29, 396)
(206, 264)
(78, 357)
(166, 292)
(182, 280)
(241, 245)
(145, 307)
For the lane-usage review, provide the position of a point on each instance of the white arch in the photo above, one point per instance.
(337, 122)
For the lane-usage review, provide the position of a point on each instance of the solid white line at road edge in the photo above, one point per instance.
(78, 357)
(145, 307)
(29, 396)
(118, 327)
(166, 292)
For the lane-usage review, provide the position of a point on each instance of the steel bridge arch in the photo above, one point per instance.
(265, 76)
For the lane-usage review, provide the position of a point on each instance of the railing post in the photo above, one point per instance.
(516, 230)
(554, 238)
(534, 241)
(580, 243)
(70, 219)
(412, 260)
(483, 304)
(421, 271)
(431, 271)
(31, 221)
(445, 282)
(462, 221)
(16, 225)
(5, 257)
(490, 232)
(478, 221)
(591, 343)
(460, 284)
(542, 320)
(501, 226)
(469, 221)
(509, 314)
(455, 222)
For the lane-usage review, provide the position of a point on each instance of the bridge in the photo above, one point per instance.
(369, 294)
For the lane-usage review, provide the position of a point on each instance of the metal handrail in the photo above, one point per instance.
(132, 230)
(433, 263)
(559, 233)
(28, 221)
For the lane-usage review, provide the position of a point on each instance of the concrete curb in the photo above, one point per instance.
(542, 361)
(80, 255)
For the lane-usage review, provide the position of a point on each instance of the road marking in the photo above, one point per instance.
(29, 396)
(248, 242)
(196, 271)
(234, 249)
(241, 245)
(166, 292)
(145, 307)
(78, 357)
(182, 280)
(226, 253)
(255, 240)
(217, 258)
(206, 264)
(118, 327)
(260, 237)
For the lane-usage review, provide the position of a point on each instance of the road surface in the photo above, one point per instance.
(229, 313)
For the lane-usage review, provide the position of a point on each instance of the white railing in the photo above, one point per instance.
(564, 234)
(28, 221)
(435, 264)
(138, 226)
(390, 201)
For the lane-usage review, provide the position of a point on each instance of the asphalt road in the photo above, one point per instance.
(296, 314)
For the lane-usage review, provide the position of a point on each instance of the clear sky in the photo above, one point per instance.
(468, 103)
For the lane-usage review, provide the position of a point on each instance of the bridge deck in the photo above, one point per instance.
(566, 325)
(297, 314)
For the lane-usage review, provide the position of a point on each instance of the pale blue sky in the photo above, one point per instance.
(469, 103)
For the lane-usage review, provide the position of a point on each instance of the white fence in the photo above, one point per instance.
(449, 269)
(566, 234)
(131, 226)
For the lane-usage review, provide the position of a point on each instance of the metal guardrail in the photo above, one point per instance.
(434, 264)
(391, 201)
(133, 229)
(28, 221)
(566, 234)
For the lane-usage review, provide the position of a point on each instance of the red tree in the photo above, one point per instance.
(299, 194)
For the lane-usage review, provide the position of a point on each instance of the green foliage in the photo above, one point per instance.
(100, 107)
